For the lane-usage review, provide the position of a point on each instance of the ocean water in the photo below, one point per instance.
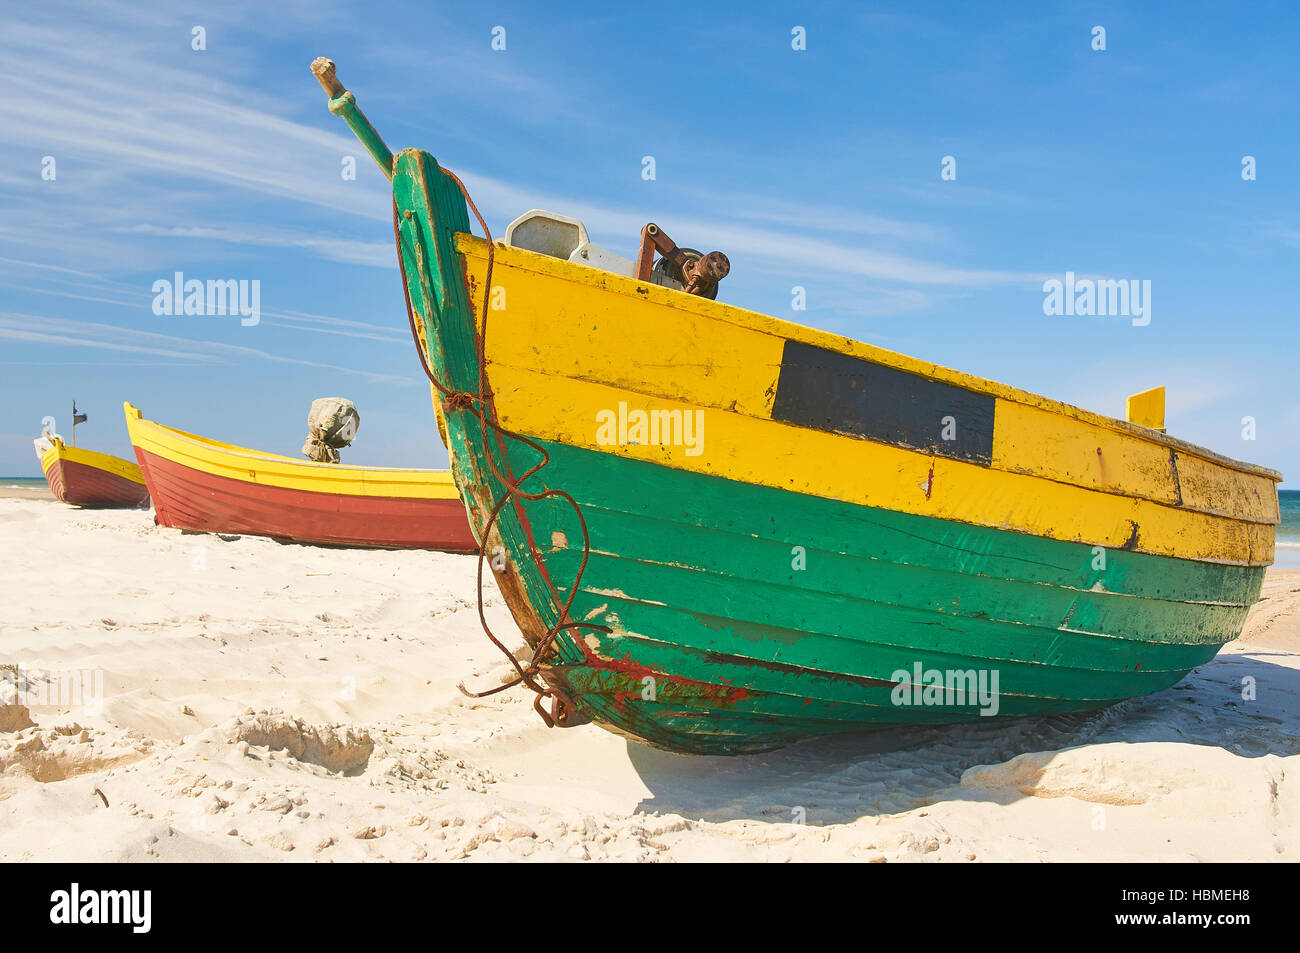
(1288, 532)
(24, 488)
(1290, 528)
(21, 483)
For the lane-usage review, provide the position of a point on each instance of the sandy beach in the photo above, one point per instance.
(41, 492)
(245, 700)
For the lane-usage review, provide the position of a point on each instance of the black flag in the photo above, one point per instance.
(76, 417)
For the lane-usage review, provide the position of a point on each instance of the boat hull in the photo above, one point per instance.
(84, 478)
(826, 558)
(744, 618)
(206, 486)
(186, 498)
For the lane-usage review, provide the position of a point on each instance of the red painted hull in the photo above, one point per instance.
(84, 485)
(186, 498)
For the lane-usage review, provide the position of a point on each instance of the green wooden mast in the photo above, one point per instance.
(344, 104)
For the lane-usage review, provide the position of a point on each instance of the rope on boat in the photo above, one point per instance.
(482, 405)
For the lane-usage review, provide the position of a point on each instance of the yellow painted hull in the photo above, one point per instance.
(87, 478)
(205, 485)
(1054, 470)
(272, 470)
(91, 458)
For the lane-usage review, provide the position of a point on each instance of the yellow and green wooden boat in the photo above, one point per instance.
(844, 538)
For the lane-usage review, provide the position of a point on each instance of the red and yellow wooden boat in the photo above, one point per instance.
(787, 533)
(86, 478)
(200, 484)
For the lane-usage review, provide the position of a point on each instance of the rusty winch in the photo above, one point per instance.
(685, 268)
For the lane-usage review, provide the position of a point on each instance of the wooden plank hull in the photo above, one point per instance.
(85, 478)
(205, 486)
(750, 644)
(828, 544)
(186, 498)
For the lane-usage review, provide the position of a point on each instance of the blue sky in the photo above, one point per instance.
(818, 168)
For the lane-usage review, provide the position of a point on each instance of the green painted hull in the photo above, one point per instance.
(720, 644)
(747, 651)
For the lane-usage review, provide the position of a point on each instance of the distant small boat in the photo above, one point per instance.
(86, 478)
(200, 484)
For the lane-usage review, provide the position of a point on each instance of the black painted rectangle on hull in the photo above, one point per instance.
(839, 393)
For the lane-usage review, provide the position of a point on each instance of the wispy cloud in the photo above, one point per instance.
(131, 113)
(812, 255)
(144, 118)
(135, 298)
(32, 264)
(62, 332)
(349, 251)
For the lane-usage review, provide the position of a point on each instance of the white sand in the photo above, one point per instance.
(226, 666)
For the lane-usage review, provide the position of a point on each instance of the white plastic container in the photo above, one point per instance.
(563, 237)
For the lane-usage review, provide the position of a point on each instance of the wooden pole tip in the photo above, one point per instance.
(323, 69)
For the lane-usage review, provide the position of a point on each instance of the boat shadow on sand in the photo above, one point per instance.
(838, 779)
